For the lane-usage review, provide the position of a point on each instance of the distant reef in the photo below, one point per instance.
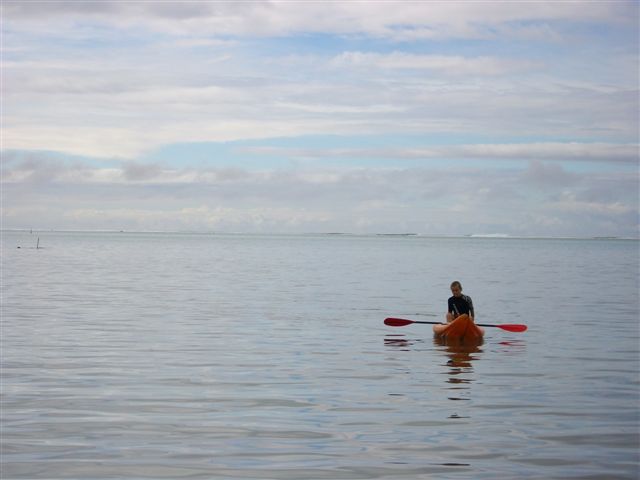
(396, 234)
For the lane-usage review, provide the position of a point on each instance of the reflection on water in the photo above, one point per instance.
(512, 347)
(400, 342)
(460, 372)
(460, 354)
(207, 356)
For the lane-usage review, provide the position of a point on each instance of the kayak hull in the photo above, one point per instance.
(462, 328)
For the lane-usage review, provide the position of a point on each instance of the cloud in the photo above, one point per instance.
(602, 152)
(121, 115)
(571, 151)
(139, 171)
(545, 175)
(451, 65)
(538, 199)
(523, 130)
(401, 22)
(129, 77)
(570, 204)
(201, 218)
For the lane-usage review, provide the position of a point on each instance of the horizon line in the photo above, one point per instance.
(485, 236)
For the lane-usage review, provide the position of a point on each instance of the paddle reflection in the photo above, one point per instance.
(512, 347)
(399, 342)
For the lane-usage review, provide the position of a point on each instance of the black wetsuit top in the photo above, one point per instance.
(460, 305)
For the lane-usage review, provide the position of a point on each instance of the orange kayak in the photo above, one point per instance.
(462, 328)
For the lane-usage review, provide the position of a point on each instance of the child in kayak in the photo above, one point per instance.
(459, 303)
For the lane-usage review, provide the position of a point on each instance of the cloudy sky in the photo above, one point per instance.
(457, 117)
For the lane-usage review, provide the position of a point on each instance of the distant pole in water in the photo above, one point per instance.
(38, 243)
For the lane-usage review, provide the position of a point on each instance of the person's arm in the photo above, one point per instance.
(450, 310)
(472, 313)
(452, 307)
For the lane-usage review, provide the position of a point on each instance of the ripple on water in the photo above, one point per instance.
(160, 356)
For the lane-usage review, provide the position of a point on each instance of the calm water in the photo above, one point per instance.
(229, 356)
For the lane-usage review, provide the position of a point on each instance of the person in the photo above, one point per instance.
(459, 304)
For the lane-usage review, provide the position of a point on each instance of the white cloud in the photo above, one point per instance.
(124, 92)
(570, 204)
(533, 200)
(200, 218)
(449, 64)
(387, 19)
(571, 151)
(627, 153)
(545, 175)
(130, 122)
(549, 88)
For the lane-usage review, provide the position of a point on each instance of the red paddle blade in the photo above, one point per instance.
(397, 322)
(512, 327)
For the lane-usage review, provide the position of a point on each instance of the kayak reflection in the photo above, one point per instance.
(461, 356)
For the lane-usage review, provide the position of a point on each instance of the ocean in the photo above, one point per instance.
(223, 356)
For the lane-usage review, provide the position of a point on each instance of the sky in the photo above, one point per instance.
(436, 118)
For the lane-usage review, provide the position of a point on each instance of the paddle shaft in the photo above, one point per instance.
(401, 322)
(439, 323)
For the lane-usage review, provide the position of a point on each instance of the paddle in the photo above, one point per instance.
(401, 322)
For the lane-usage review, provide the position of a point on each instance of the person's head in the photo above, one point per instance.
(456, 288)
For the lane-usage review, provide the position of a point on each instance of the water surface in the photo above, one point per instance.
(251, 356)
